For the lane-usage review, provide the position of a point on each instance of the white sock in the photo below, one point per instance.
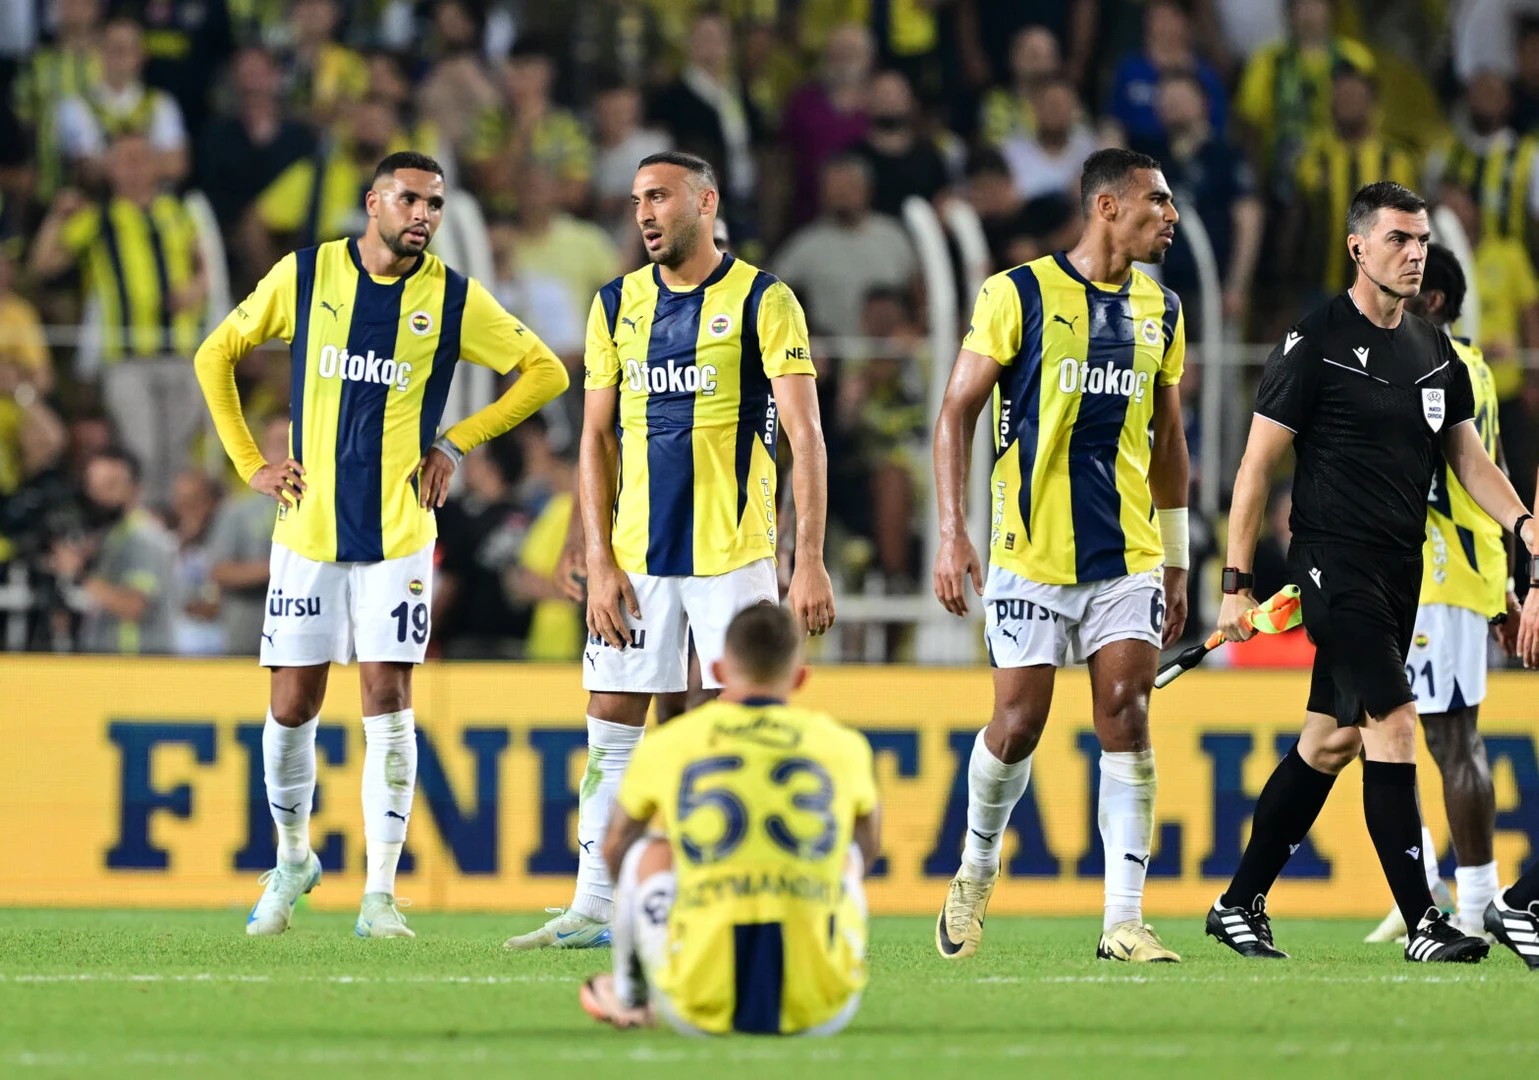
(639, 927)
(1478, 886)
(993, 789)
(1429, 859)
(610, 747)
(288, 769)
(1128, 785)
(389, 783)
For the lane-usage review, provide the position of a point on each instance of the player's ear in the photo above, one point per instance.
(719, 670)
(709, 201)
(371, 202)
(799, 680)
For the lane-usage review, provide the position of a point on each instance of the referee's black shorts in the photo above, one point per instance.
(1359, 608)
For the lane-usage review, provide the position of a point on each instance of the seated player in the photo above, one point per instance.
(749, 914)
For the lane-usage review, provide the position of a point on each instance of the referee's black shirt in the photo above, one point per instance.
(1368, 408)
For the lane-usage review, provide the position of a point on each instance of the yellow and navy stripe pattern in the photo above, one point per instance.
(1498, 180)
(136, 258)
(52, 76)
(372, 361)
(1330, 172)
(1464, 561)
(1073, 410)
(697, 417)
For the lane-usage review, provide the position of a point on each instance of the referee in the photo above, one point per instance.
(1373, 400)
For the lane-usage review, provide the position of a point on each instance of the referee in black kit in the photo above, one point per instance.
(1373, 399)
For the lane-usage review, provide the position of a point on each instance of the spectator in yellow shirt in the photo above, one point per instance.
(1508, 290)
(1284, 95)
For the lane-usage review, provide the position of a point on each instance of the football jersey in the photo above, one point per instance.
(371, 363)
(759, 802)
(698, 424)
(1464, 562)
(1073, 410)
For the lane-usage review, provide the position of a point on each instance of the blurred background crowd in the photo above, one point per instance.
(121, 528)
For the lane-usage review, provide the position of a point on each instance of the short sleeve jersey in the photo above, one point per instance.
(1368, 408)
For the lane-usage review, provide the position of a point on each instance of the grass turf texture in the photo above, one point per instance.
(157, 994)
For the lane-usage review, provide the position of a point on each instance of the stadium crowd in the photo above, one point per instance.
(822, 116)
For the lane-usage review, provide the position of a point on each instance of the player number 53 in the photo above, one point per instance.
(818, 802)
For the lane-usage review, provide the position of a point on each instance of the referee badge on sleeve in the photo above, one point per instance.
(1432, 407)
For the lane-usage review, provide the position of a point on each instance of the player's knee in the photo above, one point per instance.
(1392, 737)
(1015, 730)
(656, 857)
(1122, 716)
(1453, 739)
(1331, 751)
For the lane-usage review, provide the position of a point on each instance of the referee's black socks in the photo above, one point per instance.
(1394, 822)
(1286, 809)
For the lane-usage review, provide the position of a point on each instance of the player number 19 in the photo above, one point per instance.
(419, 621)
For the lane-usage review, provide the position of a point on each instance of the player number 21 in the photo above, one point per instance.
(818, 801)
(419, 621)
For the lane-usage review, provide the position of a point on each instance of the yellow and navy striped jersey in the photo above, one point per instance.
(135, 259)
(698, 423)
(1073, 410)
(372, 360)
(759, 801)
(1330, 172)
(1464, 562)
(51, 76)
(1499, 179)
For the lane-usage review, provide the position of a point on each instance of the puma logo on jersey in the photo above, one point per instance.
(1362, 356)
(336, 312)
(1314, 575)
(1292, 340)
(634, 324)
(1078, 376)
(670, 378)
(335, 363)
(1067, 322)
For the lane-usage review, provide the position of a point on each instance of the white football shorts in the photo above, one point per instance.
(1027, 623)
(1446, 664)
(319, 612)
(672, 609)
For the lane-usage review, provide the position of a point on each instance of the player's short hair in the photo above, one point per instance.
(123, 458)
(1443, 273)
(1380, 195)
(1110, 170)
(699, 169)
(762, 641)
(407, 159)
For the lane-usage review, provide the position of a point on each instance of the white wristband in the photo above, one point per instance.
(1175, 537)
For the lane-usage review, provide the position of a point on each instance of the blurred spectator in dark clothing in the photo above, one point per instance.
(1487, 149)
(480, 535)
(239, 549)
(1049, 161)
(120, 576)
(826, 115)
(707, 112)
(903, 161)
(991, 191)
(1525, 87)
(240, 155)
(1270, 564)
(1007, 110)
(187, 42)
(1049, 223)
(620, 142)
(1211, 174)
(835, 261)
(1167, 49)
(987, 28)
(195, 628)
(460, 85)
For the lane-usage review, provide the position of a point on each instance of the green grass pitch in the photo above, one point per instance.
(179, 994)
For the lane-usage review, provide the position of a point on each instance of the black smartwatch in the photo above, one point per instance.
(1236, 580)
